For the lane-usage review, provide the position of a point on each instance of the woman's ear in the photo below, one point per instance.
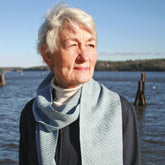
(46, 56)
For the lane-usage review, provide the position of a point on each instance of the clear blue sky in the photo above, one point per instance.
(127, 29)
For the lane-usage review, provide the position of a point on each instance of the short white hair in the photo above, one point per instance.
(56, 18)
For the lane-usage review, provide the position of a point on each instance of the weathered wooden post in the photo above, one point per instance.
(140, 97)
(2, 79)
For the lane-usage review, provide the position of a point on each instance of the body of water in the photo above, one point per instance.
(21, 87)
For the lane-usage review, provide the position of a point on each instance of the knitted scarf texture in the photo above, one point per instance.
(99, 110)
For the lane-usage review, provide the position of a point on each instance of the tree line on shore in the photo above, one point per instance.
(137, 65)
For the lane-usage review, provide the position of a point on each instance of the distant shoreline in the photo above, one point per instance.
(136, 65)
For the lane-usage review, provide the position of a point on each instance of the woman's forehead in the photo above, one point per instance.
(70, 30)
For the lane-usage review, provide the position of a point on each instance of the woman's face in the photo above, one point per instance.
(74, 61)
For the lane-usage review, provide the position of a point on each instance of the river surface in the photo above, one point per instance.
(21, 87)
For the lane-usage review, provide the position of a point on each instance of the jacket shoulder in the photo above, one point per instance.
(131, 141)
(127, 108)
(27, 112)
(27, 142)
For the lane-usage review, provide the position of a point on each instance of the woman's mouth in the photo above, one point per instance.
(81, 68)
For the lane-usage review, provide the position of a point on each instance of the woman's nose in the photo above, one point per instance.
(83, 55)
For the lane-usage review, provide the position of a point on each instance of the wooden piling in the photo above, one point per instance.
(2, 79)
(140, 97)
(143, 77)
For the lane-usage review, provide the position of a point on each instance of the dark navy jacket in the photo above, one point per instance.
(68, 148)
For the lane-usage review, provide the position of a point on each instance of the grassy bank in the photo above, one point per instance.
(137, 65)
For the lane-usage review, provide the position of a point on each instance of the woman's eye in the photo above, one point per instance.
(70, 44)
(91, 45)
(73, 44)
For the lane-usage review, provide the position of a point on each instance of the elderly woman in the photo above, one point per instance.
(75, 120)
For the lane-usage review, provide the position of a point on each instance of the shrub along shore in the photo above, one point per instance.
(137, 65)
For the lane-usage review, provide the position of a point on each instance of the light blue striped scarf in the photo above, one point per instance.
(100, 115)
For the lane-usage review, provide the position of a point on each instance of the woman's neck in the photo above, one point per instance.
(62, 95)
